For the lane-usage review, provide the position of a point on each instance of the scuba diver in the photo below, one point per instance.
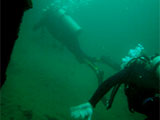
(140, 75)
(64, 28)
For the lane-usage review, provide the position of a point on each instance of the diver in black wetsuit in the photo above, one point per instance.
(141, 78)
(63, 28)
(141, 86)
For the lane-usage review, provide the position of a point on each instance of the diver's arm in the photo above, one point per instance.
(85, 110)
(118, 78)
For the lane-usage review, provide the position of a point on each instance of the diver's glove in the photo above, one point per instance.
(82, 111)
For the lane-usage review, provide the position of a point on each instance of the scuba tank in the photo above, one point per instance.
(62, 25)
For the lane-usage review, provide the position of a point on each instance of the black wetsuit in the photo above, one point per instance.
(141, 85)
(55, 25)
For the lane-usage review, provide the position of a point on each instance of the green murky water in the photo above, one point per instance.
(44, 79)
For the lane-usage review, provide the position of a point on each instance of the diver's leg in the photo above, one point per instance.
(110, 62)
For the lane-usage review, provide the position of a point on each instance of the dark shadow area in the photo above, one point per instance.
(12, 12)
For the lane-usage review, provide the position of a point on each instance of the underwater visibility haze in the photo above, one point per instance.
(45, 77)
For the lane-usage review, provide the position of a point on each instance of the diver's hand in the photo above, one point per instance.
(82, 111)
